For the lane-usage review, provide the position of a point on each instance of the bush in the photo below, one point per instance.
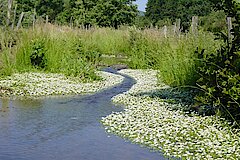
(220, 79)
(38, 52)
(214, 22)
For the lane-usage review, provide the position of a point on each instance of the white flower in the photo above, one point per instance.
(149, 121)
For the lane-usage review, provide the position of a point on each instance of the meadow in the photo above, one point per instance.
(78, 51)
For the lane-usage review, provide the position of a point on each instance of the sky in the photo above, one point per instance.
(141, 4)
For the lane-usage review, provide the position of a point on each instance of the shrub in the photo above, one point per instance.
(220, 79)
(38, 52)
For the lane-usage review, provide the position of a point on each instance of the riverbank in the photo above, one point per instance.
(150, 120)
(48, 84)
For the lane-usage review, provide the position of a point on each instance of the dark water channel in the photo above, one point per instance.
(65, 128)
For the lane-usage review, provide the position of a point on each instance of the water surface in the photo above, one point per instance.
(65, 128)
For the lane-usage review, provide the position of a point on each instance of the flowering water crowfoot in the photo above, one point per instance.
(151, 122)
(46, 84)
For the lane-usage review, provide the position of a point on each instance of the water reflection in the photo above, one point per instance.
(65, 128)
(4, 105)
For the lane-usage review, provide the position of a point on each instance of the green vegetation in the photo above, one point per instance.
(95, 30)
(83, 35)
(44, 48)
(105, 13)
(174, 9)
(220, 79)
(174, 56)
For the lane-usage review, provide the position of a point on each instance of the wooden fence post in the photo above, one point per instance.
(71, 22)
(195, 25)
(20, 20)
(178, 27)
(175, 28)
(165, 31)
(46, 19)
(229, 23)
(9, 12)
(14, 18)
(34, 17)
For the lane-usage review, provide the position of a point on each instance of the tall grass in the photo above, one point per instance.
(106, 40)
(77, 51)
(7, 41)
(174, 56)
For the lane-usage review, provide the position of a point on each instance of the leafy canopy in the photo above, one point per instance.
(220, 78)
(177, 9)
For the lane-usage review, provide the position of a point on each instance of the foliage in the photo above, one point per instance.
(142, 22)
(174, 9)
(115, 12)
(214, 22)
(78, 13)
(103, 13)
(42, 7)
(220, 79)
(44, 47)
(83, 12)
(37, 55)
(173, 56)
(3, 6)
(49, 7)
(25, 5)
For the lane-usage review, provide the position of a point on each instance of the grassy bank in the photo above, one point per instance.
(173, 56)
(49, 48)
(78, 51)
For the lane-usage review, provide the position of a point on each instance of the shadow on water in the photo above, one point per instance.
(65, 128)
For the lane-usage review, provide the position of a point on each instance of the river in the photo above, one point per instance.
(66, 128)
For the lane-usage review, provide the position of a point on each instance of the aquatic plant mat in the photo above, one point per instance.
(151, 121)
(46, 84)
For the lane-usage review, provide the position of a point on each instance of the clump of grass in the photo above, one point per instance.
(106, 40)
(7, 41)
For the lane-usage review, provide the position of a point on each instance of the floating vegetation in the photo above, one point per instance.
(46, 84)
(151, 121)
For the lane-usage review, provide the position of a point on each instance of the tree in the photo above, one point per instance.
(82, 12)
(25, 5)
(173, 9)
(104, 13)
(49, 7)
(112, 13)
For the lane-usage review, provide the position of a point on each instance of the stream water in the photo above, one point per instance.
(65, 128)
